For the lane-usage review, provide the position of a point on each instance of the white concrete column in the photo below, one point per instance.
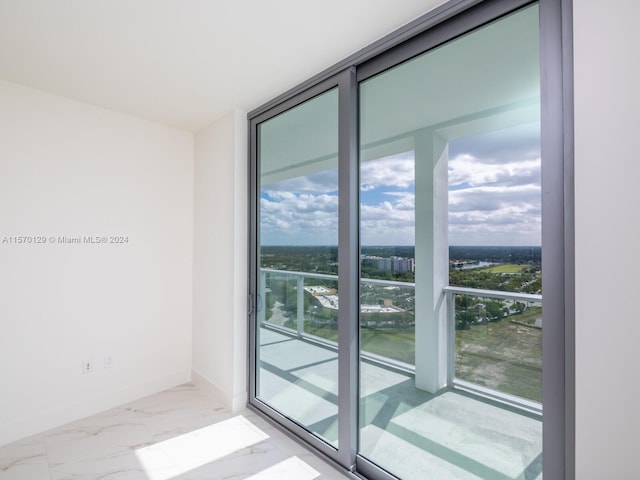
(432, 260)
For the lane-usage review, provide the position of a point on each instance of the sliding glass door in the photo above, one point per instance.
(297, 329)
(397, 243)
(451, 304)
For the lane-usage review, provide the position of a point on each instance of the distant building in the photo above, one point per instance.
(392, 264)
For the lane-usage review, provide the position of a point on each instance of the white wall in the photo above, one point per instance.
(607, 173)
(220, 259)
(67, 168)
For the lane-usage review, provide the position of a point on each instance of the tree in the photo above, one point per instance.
(464, 320)
(494, 310)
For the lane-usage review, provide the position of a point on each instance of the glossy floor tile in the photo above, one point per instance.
(179, 434)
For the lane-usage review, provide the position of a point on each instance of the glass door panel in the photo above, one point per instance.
(297, 314)
(450, 295)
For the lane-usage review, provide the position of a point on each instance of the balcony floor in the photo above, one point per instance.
(451, 435)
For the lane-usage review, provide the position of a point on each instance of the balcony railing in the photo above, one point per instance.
(494, 337)
(495, 345)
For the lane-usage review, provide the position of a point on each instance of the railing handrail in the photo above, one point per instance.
(478, 292)
(395, 283)
(293, 273)
(328, 276)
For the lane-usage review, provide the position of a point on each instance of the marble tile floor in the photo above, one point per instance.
(178, 434)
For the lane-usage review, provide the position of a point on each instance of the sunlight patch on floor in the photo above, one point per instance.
(200, 447)
(290, 469)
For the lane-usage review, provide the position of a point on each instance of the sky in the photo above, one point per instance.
(494, 197)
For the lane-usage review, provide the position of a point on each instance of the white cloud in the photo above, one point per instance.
(467, 170)
(404, 200)
(293, 218)
(396, 171)
(490, 202)
(389, 222)
(495, 215)
(494, 202)
(491, 198)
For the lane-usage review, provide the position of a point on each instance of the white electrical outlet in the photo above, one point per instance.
(108, 361)
(87, 366)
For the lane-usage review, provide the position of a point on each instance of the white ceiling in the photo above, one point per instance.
(185, 63)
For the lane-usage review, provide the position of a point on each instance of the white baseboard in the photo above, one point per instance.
(25, 427)
(234, 403)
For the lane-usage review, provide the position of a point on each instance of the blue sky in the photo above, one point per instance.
(494, 197)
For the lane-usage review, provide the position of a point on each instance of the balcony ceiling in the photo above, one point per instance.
(484, 81)
(185, 63)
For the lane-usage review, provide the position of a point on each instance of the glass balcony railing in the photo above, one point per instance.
(494, 338)
(387, 321)
(496, 346)
(300, 302)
